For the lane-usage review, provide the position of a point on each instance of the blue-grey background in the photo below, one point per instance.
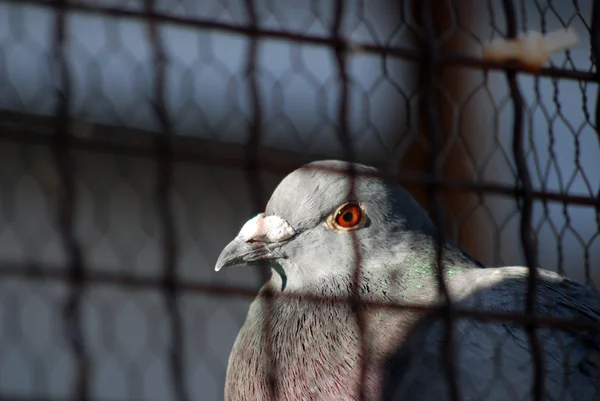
(126, 331)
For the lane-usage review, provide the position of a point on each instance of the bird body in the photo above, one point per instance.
(303, 349)
(317, 355)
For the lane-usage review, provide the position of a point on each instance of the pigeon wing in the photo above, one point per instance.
(493, 360)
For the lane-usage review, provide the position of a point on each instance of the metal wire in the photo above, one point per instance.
(164, 178)
(429, 81)
(72, 308)
(166, 148)
(526, 211)
(447, 59)
(341, 48)
(253, 169)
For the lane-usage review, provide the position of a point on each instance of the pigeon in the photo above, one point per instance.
(300, 342)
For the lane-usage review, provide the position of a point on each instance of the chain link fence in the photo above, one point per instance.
(137, 136)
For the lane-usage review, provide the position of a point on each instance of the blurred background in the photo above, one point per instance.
(156, 179)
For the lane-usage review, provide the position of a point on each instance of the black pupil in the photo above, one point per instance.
(347, 217)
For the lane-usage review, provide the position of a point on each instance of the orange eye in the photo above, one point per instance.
(349, 215)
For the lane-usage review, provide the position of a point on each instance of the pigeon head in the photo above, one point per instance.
(317, 219)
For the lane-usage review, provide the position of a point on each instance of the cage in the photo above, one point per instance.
(136, 137)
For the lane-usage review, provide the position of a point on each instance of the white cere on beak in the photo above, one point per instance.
(266, 229)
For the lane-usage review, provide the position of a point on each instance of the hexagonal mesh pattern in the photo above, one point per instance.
(137, 136)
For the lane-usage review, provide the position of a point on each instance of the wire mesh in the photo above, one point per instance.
(122, 178)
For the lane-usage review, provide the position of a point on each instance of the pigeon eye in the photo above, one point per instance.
(347, 217)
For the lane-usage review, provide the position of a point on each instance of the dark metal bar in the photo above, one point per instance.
(252, 167)
(139, 143)
(595, 48)
(143, 283)
(164, 177)
(49, 272)
(14, 397)
(252, 162)
(206, 152)
(526, 211)
(67, 206)
(359, 47)
(341, 48)
(429, 104)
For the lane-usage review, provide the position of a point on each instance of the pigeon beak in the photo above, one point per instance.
(256, 243)
(243, 253)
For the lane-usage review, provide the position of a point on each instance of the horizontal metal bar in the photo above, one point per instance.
(449, 59)
(52, 273)
(24, 128)
(16, 397)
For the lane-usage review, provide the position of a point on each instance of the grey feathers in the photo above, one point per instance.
(316, 346)
(494, 360)
(308, 194)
